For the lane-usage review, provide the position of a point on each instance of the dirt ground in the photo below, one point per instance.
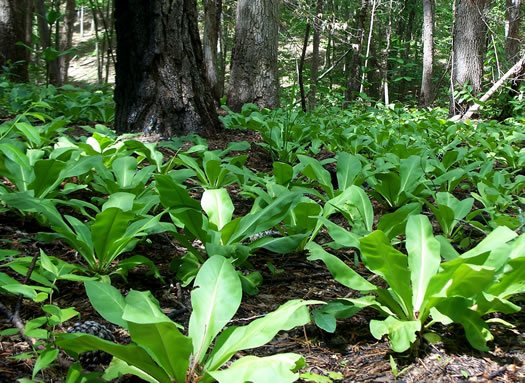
(351, 351)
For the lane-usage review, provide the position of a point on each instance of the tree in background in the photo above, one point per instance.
(13, 29)
(468, 48)
(160, 82)
(512, 30)
(52, 66)
(354, 67)
(66, 37)
(254, 76)
(212, 26)
(425, 96)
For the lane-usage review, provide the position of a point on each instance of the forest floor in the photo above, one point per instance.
(351, 351)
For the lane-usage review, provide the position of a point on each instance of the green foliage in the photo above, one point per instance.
(161, 353)
(451, 291)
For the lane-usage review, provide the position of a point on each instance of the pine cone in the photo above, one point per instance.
(97, 329)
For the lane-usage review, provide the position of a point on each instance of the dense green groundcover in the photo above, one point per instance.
(102, 194)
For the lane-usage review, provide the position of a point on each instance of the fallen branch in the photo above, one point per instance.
(517, 70)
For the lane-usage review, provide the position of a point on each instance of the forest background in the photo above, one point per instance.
(239, 157)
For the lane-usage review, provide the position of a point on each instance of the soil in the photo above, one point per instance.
(351, 351)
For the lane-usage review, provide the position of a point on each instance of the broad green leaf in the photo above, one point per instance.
(47, 264)
(165, 344)
(348, 167)
(381, 258)
(410, 171)
(47, 176)
(518, 247)
(423, 256)
(118, 368)
(339, 270)
(291, 314)
(282, 172)
(108, 228)
(393, 224)
(173, 195)
(44, 360)
(131, 354)
(15, 155)
(400, 333)
(270, 369)
(476, 330)
(29, 133)
(339, 234)
(315, 172)
(279, 245)
(218, 206)
(512, 281)
(124, 169)
(496, 238)
(141, 307)
(261, 220)
(358, 205)
(325, 317)
(215, 299)
(107, 300)
(122, 200)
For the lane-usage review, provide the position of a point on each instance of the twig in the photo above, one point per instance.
(16, 313)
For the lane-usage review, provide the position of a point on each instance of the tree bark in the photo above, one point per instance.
(316, 39)
(354, 67)
(518, 70)
(212, 24)
(13, 28)
(160, 81)
(427, 90)
(512, 30)
(301, 67)
(53, 69)
(67, 37)
(468, 47)
(254, 74)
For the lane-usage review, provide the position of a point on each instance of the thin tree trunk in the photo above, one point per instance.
(67, 37)
(512, 30)
(212, 24)
(369, 42)
(52, 68)
(354, 67)
(425, 96)
(315, 55)
(386, 55)
(301, 67)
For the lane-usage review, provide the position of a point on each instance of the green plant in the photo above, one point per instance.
(38, 332)
(395, 371)
(459, 290)
(216, 230)
(161, 353)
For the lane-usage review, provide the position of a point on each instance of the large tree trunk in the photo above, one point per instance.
(427, 90)
(160, 82)
(354, 67)
(468, 47)
(13, 28)
(67, 37)
(512, 30)
(212, 24)
(254, 74)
